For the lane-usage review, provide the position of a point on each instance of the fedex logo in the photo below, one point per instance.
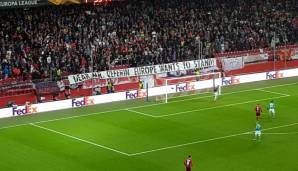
(135, 94)
(86, 101)
(274, 75)
(184, 87)
(230, 81)
(28, 109)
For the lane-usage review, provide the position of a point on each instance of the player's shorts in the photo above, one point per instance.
(258, 133)
(271, 111)
(258, 114)
(215, 93)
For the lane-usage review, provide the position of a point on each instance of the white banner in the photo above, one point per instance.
(256, 57)
(148, 79)
(295, 54)
(141, 71)
(232, 63)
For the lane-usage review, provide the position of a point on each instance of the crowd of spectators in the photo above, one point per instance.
(53, 41)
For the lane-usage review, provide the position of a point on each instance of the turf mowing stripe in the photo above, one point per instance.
(216, 107)
(79, 139)
(207, 140)
(117, 110)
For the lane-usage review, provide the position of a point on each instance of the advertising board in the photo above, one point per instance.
(81, 102)
(133, 94)
(24, 110)
(274, 75)
(230, 80)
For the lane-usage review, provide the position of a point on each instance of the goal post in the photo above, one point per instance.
(188, 85)
(167, 89)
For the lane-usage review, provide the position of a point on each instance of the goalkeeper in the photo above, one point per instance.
(217, 92)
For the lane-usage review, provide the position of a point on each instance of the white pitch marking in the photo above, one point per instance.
(273, 92)
(79, 139)
(275, 133)
(215, 107)
(78, 116)
(202, 97)
(207, 140)
(191, 95)
(63, 118)
(279, 133)
(13, 126)
(117, 110)
(141, 113)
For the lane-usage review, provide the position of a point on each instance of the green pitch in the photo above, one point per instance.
(146, 136)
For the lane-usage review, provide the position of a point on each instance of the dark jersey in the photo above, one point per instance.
(258, 109)
(215, 89)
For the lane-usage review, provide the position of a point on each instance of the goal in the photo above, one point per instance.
(174, 88)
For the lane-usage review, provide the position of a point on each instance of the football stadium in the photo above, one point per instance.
(148, 85)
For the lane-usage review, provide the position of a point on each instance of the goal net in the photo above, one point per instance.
(187, 86)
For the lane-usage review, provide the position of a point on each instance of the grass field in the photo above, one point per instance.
(146, 136)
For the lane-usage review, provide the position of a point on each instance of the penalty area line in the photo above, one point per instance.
(279, 133)
(208, 140)
(79, 139)
(222, 106)
(273, 92)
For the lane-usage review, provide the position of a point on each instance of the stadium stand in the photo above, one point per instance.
(55, 41)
